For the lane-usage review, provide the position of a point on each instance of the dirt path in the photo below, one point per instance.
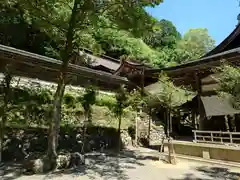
(133, 167)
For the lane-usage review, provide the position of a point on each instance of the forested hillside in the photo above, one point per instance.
(143, 38)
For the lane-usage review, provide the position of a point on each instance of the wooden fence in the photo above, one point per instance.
(218, 137)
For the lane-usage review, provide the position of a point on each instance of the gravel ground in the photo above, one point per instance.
(131, 167)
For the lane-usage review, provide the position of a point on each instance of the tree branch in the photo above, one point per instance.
(44, 17)
(109, 6)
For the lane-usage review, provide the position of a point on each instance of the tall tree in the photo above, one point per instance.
(121, 103)
(88, 99)
(16, 32)
(196, 42)
(167, 95)
(164, 34)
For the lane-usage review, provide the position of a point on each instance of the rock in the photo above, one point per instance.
(156, 135)
(63, 161)
(102, 156)
(38, 166)
(156, 131)
(76, 159)
(35, 166)
(126, 138)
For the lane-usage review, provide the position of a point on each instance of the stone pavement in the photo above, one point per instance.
(133, 166)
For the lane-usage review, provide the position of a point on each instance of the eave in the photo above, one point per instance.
(26, 64)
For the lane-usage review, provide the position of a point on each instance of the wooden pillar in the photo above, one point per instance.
(170, 123)
(199, 92)
(226, 123)
(149, 125)
(194, 120)
(169, 115)
(136, 128)
(167, 122)
(233, 123)
(142, 80)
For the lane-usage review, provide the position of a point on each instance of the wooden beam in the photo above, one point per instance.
(199, 92)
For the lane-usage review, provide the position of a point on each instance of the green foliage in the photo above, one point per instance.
(164, 34)
(16, 32)
(89, 98)
(32, 106)
(229, 83)
(166, 94)
(121, 101)
(105, 100)
(117, 43)
(52, 18)
(137, 99)
(116, 28)
(69, 100)
(196, 42)
(193, 45)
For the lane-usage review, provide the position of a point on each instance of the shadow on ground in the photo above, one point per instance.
(107, 166)
(210, 173)
(10, 171)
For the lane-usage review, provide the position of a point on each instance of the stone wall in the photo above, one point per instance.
(154, 134)
(21, 142)
(157, 134)
(36, 83)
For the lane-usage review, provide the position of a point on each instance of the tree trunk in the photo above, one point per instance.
(119, 132)
(136, 130)
(149, 126)
(1, 139)
(171, 152)
(55, 121)
(7, 82)
(3, 122)
(84, 134)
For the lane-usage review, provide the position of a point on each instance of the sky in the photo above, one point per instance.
(218, 16)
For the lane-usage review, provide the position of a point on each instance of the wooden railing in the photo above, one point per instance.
(218, 137)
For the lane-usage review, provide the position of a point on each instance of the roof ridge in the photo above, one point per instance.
(224, 43)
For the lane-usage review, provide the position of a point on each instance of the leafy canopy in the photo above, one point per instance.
(164, 34)
(52, 17)
(116, 28)
(196, 42)
(165, 93)
(121, 101)
(229, 83)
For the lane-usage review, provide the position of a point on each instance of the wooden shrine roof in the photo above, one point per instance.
(44, 68)
(231, 42)
(228, 51)
(183, 74)
(132, 70)
(212, 105)
(101, 62)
